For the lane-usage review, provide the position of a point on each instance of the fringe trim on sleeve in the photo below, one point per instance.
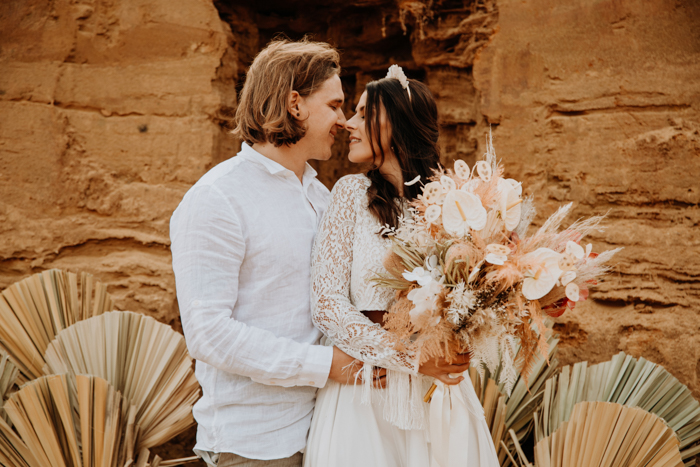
(403, 398)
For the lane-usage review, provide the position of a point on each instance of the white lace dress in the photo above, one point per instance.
(359, 425)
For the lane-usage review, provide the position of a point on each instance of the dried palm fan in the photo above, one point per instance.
(57, 427)
(606, 434)
(625, 380)
(8, 376)
(34, 310)
(143, 359)
(515, 413)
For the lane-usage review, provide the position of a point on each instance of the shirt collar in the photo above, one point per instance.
(251, 154)
(273, 167)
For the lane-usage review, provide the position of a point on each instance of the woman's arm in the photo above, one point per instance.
(331, 309)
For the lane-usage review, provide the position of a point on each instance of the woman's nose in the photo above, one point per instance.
(350, 125)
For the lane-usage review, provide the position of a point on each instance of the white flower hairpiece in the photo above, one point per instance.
(396, 72)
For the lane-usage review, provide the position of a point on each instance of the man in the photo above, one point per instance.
(241, 246)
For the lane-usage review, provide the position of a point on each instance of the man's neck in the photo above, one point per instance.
(290, 157)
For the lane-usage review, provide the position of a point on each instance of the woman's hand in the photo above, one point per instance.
(441, 369)
(347, 370)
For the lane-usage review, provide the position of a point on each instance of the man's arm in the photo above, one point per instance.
(208, 248)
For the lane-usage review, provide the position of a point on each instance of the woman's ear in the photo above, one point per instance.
(294, 104)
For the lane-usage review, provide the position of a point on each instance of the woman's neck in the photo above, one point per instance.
(391, 171)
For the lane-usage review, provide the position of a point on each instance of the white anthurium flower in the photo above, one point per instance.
(517, 186)
(575, 250)
(483, 169)
(462, 169)
(589, 247)
(509, 204)
(447, 184)
(567, 277)
(573, 292)
(432, 192)
(461, 211)
(419, 275)
(543, 275)
(424, 299)
(432, 214)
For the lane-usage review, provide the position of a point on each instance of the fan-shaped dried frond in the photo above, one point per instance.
(624, 380)
(143, 359)
(514, 413)
(8, 377)
(606, 434)
(55, 426)
(34, 310)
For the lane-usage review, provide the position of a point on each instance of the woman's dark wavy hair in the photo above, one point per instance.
(414, 141)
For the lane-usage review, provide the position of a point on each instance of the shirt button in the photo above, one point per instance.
(311, 383)
(272, 381)
(196, 303)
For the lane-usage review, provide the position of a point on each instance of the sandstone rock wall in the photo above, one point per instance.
(108, 113)
(598, 103)
(110, 110)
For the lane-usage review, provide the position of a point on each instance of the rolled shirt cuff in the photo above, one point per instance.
(316, 367)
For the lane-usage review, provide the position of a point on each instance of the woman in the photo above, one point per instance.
(396, 129)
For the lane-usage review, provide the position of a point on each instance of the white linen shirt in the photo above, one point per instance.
(241, 242)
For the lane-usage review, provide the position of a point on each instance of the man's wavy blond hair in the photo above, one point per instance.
(280, 68)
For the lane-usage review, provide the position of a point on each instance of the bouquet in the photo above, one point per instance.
(467, 277)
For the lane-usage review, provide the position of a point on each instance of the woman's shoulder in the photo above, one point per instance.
(352, 184)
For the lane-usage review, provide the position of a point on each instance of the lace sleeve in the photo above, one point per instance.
(331, 308)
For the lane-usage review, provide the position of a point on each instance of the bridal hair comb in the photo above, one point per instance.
(396, 72)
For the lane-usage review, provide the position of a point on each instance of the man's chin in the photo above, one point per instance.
(324, 157)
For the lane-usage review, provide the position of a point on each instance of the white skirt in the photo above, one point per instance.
(347, 433)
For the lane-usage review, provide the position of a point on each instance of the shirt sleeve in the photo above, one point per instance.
(331, 308)
(208, 247)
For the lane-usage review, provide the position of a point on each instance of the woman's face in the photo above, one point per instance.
(360, 145)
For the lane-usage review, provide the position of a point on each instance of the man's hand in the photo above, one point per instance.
(345, 369)
(441, 368)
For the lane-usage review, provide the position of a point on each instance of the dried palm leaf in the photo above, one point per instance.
(606, 434)
(56, 427)
(145, 360)
(34, 310)
(8, 377)
(514, 414)
(624, 380)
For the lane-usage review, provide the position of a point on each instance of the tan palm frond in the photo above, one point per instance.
(34, 310)
(628, 381)
(606, 434)
(515, 413)
(145, 360)
(55, 426)
(8, 377)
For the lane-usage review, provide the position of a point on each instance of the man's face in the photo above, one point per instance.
(325, 118)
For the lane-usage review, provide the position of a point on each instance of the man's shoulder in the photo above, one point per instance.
(217, 187)
(234, 167)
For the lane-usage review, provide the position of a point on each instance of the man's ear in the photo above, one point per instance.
(295, 104)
